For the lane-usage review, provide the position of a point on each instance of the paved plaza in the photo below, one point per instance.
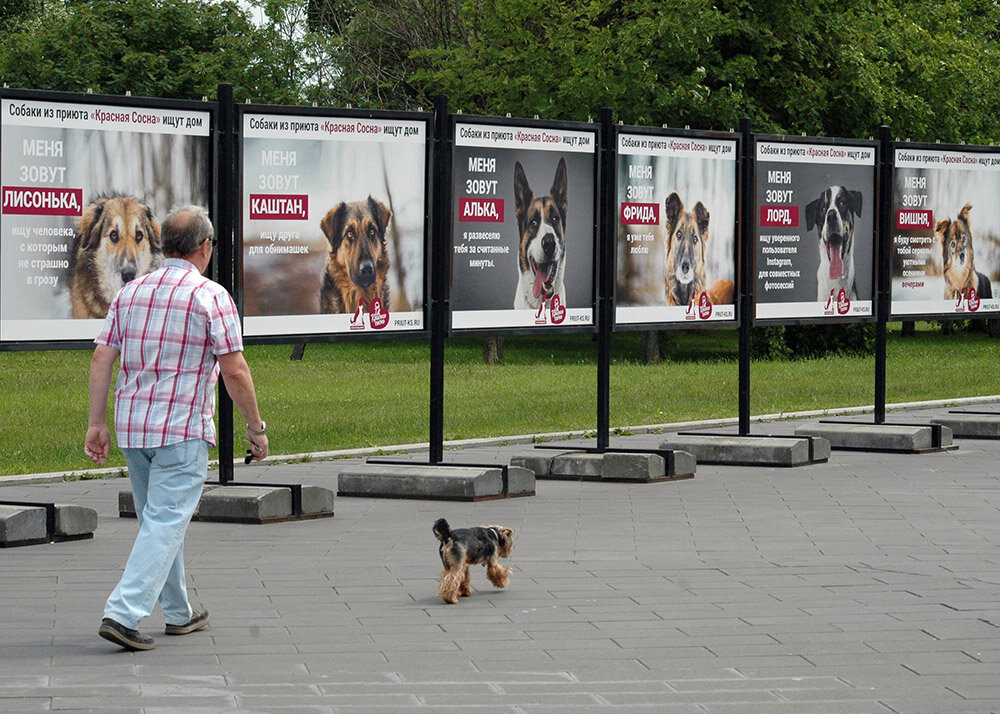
(870, 583)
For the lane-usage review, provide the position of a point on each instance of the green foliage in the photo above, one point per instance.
(812, 341)
(180, 49)
(767, 342)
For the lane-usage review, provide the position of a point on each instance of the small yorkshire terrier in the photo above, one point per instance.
(470, 546)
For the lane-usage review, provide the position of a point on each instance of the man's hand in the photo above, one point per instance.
(258, 446)
(97, 445)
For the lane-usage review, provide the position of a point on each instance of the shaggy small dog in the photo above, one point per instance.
(463, 547)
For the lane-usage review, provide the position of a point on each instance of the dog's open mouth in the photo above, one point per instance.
(834, 248)
(545, 273)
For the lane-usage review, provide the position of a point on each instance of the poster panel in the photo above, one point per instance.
(84, 187)
(676, 240)
(524, 208)
(815, 230)
(333, 223)
(945, 252)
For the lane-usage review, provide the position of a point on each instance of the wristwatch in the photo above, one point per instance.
(258, 432)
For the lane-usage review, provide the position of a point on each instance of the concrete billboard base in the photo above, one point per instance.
(896, 438)
(437, 482)
(252, 503)
(612, 466)
(733, 449)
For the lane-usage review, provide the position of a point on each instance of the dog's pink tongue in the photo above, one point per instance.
(539, 282)
(836, 264)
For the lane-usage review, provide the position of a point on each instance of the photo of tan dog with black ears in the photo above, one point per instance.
(357, 265)
(117, 239)
(686, 251)
(960, 272)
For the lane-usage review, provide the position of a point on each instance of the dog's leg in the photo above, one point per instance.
(450, 581)
(465, 589)
(497, 574)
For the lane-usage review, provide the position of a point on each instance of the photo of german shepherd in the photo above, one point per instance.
(541, 225)
(117, 239)
(357, 265)
(959, 269)
(687, 244)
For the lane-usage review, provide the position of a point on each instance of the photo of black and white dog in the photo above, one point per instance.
(833, 215)
(541, 224)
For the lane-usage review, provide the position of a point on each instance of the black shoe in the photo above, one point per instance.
(121, 635)
(198, 620)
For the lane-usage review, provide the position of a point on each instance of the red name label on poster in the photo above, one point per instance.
(779, 216)
(640, 214)
(30, 201)
(483, 210)
(279, 207)
(914, 219)
(973, 300)
(704, 306)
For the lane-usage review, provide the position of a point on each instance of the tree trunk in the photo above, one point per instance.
(493, 350)
(298, 350)
(651, 348)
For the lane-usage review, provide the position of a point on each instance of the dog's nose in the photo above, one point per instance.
(366, 273)
(831, 217)
(548, 244)
(128, 276)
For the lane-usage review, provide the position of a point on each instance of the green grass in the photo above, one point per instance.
(377, 393)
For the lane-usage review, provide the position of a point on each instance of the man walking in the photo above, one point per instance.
(174, 330)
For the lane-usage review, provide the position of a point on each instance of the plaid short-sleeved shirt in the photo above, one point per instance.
(169, 326)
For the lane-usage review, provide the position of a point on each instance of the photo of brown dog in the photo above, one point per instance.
(117, 239)
(959, 268)
(357, 265)
(463, 547)
(687, 243)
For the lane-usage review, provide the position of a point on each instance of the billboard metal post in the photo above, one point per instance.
(746, 257)
(605, 283)
(224, 267)
(883, 279)
(440, 269)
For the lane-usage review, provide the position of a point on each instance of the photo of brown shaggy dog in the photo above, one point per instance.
(463, 547)
(687, 245)
(117, 239)
(959, 269)
(357, 265)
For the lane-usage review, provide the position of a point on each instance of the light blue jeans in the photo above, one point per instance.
(166, 488)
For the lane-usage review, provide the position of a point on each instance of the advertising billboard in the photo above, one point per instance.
(945, 246)
(85, 185)
(334, 227)
(676, 215)
(524, 208)
(815, 230)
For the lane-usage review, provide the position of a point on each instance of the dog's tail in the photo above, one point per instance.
(442, 530)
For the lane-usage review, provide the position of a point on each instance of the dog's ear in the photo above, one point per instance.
(673, 208)
(855, 202)
(812, 213)
(88, 234)
(942, 228)
(701, 216)
(382, 215)
(153, 231)
(560, 189)
(522, 193)
(331, 224)
(963, 216)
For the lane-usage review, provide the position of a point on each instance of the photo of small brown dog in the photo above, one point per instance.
(687, 245)
(463, 547)
(959, 268)
(117, 239)
(357, 266)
